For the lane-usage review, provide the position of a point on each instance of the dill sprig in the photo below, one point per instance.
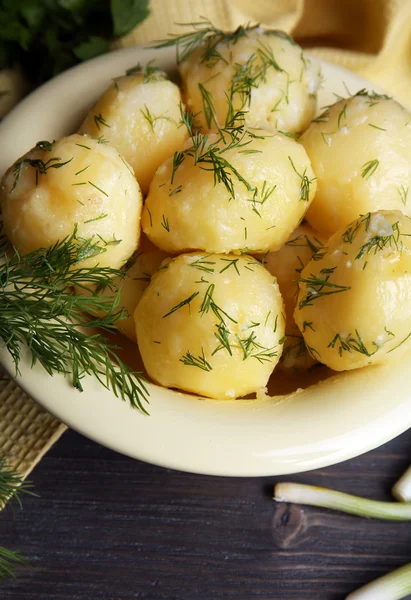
(352, 343)
(205, 34)
(39, 311)
(39, 165)
(369, 168)
(305, 182)
(318, 286)
(9, 560)
(151, 74)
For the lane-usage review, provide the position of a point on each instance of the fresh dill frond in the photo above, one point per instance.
(203, 34)
(378, 242)
(39, 311)
(305, 182)
(200, 361)
(318, 286)
(352, 343)
(9, 560)
(39, 165)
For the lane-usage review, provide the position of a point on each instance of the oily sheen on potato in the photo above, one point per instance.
(360, 152)
(224, 193)
(354, 304)
(263, 73)
(75, 182)
(286, 265)
(127, 290)
(140, 116)
(211, 324)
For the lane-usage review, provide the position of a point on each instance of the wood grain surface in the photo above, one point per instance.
(111, 528)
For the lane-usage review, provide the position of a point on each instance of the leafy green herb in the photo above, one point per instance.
(203, 34)
(202, 264)
(369, 168)
(352, 343)
(100, 121)
(379, 242)
(185, 302)
(200, 361)
(305, 182)
(39, 165)
(39, 310)
(318, 286)
(151, 74)
(403, 192)
(45, 38)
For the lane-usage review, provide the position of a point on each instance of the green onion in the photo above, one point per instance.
(392, 586)
(402, 489)
(316, 496)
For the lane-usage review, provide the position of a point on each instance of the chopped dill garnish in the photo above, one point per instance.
(403, 192)
(231, 262)
(351, 343)
(202, 264)
(196, 361)
(39, 165)
(100, 121)
(369, 168)
(342, 115)
(165, 223)
(305, 182)
(206, 35)
(318, 286)
(150, 73)
(379, 242)
(185, 302)
(102, 216)
(97, 188)
(376, 127)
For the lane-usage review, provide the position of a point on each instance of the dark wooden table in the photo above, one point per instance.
(111, 528)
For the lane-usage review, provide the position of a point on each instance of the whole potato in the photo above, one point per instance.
(354, 304)
(360, 152)
(140, 116)
(211, 325)
(227, 194)
(75, 182)
(286, 265)
(264, 74)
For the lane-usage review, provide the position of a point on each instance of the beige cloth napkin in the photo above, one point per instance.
(371, 37)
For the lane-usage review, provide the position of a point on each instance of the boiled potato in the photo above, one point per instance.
(138, 271)
(140, 116)
(75, 181)
(246, 195)
(211, 325)
(360, 152)
(286, 265)
(263, 73)
(354, 304)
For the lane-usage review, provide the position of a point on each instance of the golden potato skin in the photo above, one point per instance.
(211, 324)
(354, 304)
(360, 152)
(140, 116)
(88, 185)
(263, 73)
(130, 288)
(187, 209)
(286, 265)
